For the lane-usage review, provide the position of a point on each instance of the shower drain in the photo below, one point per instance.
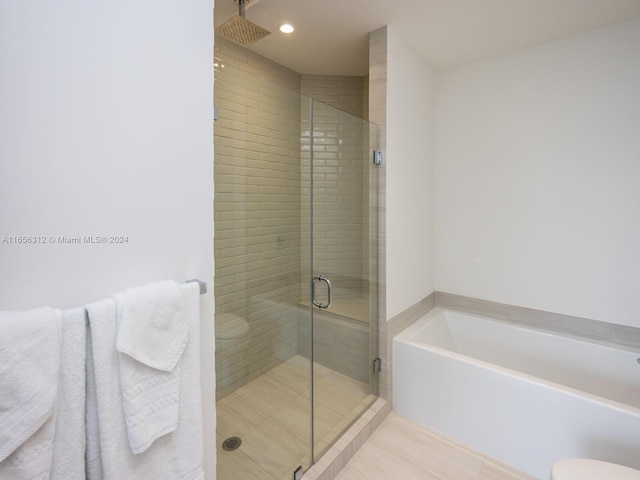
(231, 444)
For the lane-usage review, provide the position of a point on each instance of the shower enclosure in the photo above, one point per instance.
(296, 274)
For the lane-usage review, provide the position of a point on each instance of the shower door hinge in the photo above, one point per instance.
(377, 366)
(377, 157)
(216, 113)
(297, 473)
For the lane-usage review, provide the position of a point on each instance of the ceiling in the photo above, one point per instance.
(331, 36)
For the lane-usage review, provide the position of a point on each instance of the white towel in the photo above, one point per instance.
(152, 327)
(104, 418)
(29, 367)
(69, 438)
(152, 333)
(173, 456)
(93, 455)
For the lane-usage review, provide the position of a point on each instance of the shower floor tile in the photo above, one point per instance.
(336, 396)
(238, 465)
(266, 393)
(293, 374)
(274, 447)
(271, 415)
(236, 417)
(296, 417)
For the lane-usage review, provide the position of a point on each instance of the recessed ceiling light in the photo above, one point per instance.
(286, 28)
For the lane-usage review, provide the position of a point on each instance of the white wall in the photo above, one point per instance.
(410, 181)
(106, 129)
(538, 177)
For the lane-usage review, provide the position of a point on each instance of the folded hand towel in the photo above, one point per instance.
(150, 397)
(177, 455)
(29, 368)
(69, 438)
(153, 331)
(151, 324)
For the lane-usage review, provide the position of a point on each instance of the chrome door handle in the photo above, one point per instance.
(321, 278)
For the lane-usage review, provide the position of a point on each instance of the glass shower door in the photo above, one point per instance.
(343, 268)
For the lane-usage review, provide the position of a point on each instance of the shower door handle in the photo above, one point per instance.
(324, 279)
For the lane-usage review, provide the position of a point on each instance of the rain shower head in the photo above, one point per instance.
(240, 30)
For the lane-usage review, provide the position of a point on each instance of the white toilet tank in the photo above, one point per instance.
(586, 469)
(232, 332)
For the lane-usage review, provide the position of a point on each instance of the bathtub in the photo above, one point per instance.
(522, 396)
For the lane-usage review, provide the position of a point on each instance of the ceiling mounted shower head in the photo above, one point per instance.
(240, 30)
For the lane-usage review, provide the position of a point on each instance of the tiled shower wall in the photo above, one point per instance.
(347, 93)
(262, 220)
(341, 193)
(257, 209)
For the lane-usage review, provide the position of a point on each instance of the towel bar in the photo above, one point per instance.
(203, 285)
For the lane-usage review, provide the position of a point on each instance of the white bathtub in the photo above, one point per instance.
(522, 396)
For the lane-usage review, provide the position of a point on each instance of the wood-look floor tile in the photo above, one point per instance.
(267, 394)
(336, 396)
(300, 362)
(275, 448)
(404, 449)
(375, 463)
(296, 416)
(236, 465)
(346, 381)
(236, 417)
(417, 446)
(292, 375)
(271, 414)
(494, 470)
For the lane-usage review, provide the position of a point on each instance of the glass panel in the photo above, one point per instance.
(344, 265)
(275, 229)
(263, 377)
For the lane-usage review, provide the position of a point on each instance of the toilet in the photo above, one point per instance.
(587, 469)
(232, 337)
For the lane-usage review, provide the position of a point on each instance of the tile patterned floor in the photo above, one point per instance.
(271, 416)
(403, 449)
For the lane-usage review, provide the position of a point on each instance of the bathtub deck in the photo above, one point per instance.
(404, 449)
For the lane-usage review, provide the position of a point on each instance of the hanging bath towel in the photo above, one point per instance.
(69, 437)
(29, 367)
(148, 420)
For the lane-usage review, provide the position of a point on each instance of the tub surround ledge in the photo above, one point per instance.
(539, 319)
(394, 326)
